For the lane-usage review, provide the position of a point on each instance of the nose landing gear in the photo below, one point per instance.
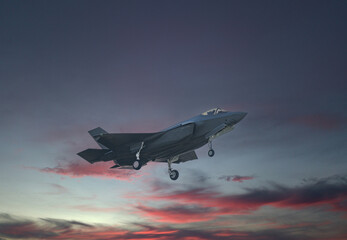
(210, 151)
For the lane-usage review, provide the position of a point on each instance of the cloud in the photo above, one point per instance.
(48, 228)
(58, 189)
(63, 224)
(84, 169)
(236, 178)
(21, 228)
(87, 208)
(330, 194)
(177, 213)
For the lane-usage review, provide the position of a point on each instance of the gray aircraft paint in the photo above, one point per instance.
(173, 145)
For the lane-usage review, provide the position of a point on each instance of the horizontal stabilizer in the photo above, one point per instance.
(93, 155)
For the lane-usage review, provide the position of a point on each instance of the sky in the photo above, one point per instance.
(67, 67)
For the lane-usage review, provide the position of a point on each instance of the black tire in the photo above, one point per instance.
(137, 165)
(211, 153)
(174, 174)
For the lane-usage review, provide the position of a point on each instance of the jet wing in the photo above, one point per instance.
(114, 140)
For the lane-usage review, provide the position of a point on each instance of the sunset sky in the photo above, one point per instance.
(67, 67)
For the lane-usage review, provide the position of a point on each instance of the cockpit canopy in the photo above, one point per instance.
(213, 111)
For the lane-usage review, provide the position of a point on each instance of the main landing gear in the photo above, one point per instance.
(137, 164)
(210, 151)
(172, 173)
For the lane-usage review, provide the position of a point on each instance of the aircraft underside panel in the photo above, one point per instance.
(188, 156)
(219, 131)
(178, 148)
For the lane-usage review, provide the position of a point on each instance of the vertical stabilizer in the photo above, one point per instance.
(96, 133)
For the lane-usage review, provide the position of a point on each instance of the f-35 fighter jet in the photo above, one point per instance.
(175, 144)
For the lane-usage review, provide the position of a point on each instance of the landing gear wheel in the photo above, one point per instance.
(174, 174)
(137, 165)
(211, 153)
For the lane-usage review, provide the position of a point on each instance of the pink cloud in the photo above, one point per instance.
(204, 198)
(204, 204)
(177, 214)
(254, 199)
(236, 178)
(84, 169)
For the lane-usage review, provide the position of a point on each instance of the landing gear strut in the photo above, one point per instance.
(139, 151)
(210, 151)
(137, 164)
(172, 173)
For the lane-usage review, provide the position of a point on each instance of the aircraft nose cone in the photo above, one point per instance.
(243, 114)
(240, 116)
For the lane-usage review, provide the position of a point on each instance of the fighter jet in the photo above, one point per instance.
(175, 144)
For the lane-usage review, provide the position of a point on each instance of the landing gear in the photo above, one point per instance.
(137, 164)
(172, 173)
(138, 152)
(211, 151)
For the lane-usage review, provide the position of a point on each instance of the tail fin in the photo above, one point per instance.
(96, 133)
